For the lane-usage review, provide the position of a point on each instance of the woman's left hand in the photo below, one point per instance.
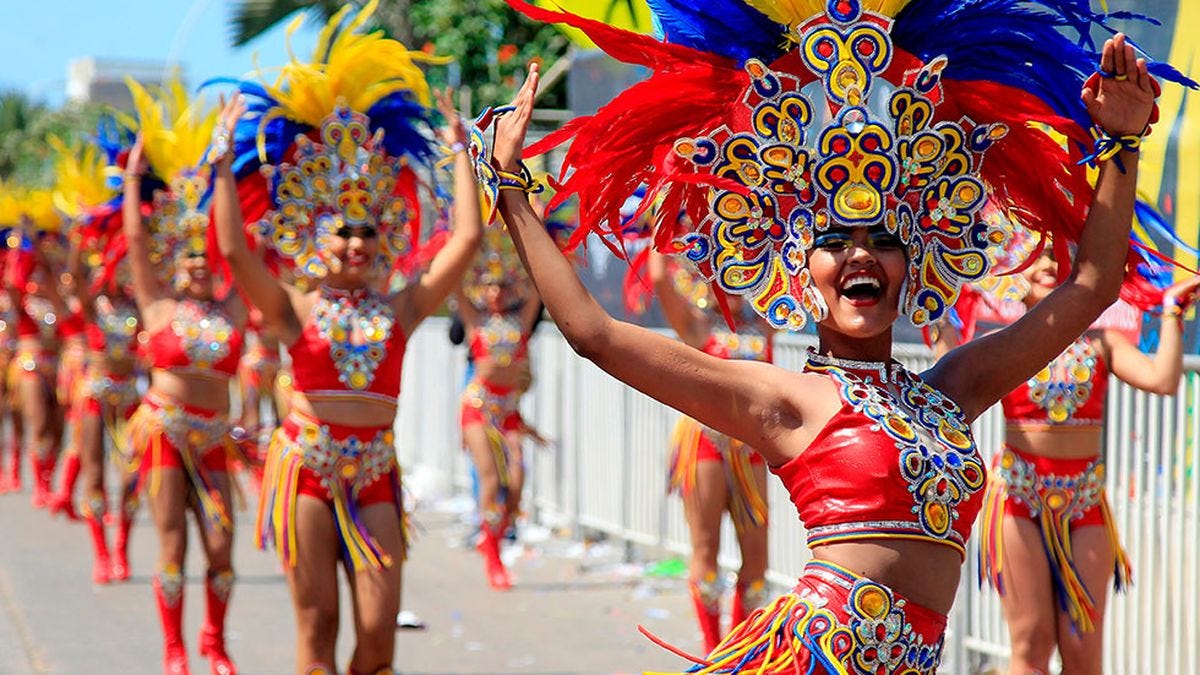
(1120, 99)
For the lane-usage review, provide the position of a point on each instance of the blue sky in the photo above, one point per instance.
(40, 37)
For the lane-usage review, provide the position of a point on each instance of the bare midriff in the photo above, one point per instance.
(1057, 442)
(106, 365)
(924, 572)
(516, 375)
(349, 410)
(203, 390)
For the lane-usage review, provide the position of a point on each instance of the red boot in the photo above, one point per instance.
(101, 568)
(489, 546)
(120, 549)
(64, 500)
(706, 598)
(168, 591)
(217, 588)
(43, 470)
(746, 599)
(12, 482)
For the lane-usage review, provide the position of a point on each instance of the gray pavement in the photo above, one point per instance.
(574, 608)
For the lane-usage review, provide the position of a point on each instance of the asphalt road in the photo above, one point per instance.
(574, 608)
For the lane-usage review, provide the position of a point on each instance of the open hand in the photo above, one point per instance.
(231, 113)
(1121, 103)
(1182, 293)
(511, 128)
(454, 132)
(136, 163)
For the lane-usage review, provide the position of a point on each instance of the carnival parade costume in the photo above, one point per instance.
(768, 123)
(39, 309)
(329, 145)
(202, 341)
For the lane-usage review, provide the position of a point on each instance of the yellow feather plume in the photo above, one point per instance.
(792, 13)
(175, 130)
(24, 206)
(81, 177)
(347, 66)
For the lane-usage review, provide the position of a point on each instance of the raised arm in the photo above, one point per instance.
(739, 398)
(146, 288)
(687, 321)
(1161, 373)
(448, 266)
(531, 309)
(979, 373)
(264, 291)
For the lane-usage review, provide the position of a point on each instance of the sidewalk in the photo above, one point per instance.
(574, 609)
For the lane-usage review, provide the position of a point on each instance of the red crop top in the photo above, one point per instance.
(500, 339)
(115, 331)
(201, 337)
(896, 461)
(1070, 391)
(351, 346)
(748, 344)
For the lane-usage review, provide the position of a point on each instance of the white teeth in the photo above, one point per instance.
(861, 280)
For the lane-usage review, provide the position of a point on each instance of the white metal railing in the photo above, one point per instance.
(607, 470)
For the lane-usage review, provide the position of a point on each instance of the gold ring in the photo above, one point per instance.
(1121, 77)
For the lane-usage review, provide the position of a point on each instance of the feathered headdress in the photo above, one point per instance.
(328, 142)
(767, 121)
(176, 130)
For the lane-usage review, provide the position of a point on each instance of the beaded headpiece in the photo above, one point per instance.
(496, 263)
(327, 144)
(175, 130)
(770, 121)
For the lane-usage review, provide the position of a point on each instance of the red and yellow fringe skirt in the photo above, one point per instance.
(1060, 495)
(692, 443)
(833, 621)
(347, 467)
(167, 435)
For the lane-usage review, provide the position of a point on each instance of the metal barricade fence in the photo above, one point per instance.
(606, 470)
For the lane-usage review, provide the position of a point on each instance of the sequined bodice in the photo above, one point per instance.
(1070, 390)
(897, 460)
(351, 344)
(118, 324)
(201, 337)
(500, 339)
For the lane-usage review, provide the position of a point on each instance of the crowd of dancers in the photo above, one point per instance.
(834, 163)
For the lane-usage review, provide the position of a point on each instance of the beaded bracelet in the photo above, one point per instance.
(219, 146)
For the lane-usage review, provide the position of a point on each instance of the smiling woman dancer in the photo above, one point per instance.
(1049, 544)
(341, 209)
(878, 218)
(181, 430)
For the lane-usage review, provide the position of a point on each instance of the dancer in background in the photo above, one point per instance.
(32, 284)
(712, 472)
(498, 308)
(850, 233)
(181, 430)
(343, 136)
(1049, 545)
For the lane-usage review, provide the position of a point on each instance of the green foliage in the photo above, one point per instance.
(25, 126)
(490, 42)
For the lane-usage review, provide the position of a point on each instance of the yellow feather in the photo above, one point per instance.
(81, 175)
(357, 69)
(792, 13)
(175, 129)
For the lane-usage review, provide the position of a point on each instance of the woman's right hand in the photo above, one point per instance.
(511, 128)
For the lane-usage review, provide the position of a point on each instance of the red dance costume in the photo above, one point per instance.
(200, 340)
(1061, 495)
(692, 443)
(350, 349)
(897, 461)
(113, 399)
(500, 339)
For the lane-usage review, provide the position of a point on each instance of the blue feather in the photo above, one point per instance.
(1157, 227)
(407, 130)
(1018, 43)
(730, 28)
